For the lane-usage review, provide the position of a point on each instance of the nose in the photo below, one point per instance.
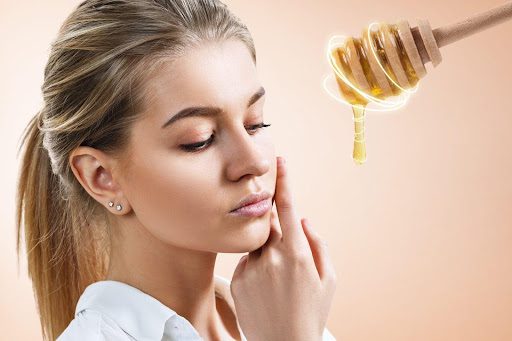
(246, 156)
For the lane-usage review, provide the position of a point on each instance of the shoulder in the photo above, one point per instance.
(91, 325)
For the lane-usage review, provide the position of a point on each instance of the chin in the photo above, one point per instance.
(249, 239)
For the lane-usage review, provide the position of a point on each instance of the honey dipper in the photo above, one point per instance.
(391, 60)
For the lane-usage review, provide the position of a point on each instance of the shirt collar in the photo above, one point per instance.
(137, 313)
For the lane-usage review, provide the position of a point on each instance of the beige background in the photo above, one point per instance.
(420, 235)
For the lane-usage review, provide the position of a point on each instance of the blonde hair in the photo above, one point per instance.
(93, 91)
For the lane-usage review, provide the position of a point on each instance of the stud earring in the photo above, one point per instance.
(110, 203)
(119, 207)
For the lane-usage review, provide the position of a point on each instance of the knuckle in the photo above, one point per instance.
(331, 277)
(299, 258)
(323, 243)
(285, 202)
(273, 266)
(275, 261)
(273, 258)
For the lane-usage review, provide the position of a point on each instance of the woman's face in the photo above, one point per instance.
(183, 197)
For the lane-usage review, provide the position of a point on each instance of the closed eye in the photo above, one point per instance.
(194, 147)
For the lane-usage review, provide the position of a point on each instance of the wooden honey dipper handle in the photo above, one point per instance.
(451, 33)
(428, 41)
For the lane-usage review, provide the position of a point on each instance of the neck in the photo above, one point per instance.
(182, 279)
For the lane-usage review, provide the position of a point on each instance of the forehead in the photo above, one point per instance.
(215, 73)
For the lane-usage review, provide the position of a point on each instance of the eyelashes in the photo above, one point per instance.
(203, 144)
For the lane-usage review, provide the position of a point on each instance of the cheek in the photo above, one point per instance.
(173, 199)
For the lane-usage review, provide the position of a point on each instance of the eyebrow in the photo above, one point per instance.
(208, 111)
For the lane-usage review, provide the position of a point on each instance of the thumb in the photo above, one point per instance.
(240, 266)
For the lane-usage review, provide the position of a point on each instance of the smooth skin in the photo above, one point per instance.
(288, 284)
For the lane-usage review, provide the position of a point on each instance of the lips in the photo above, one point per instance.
(252, 198)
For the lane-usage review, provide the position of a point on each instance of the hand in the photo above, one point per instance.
(283, 290)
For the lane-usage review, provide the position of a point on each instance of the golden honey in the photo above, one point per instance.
(356, 53)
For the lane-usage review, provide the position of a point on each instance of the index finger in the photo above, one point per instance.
(291, 228)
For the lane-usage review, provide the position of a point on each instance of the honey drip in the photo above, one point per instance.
(359, 60)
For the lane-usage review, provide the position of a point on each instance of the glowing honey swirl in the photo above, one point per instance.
(372, 69)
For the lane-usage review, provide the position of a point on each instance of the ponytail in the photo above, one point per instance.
(57, 266)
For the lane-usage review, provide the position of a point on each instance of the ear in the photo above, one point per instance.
(94, 170)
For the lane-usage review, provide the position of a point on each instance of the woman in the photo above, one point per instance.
(142, 166)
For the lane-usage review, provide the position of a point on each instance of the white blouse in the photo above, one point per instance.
(113, 310)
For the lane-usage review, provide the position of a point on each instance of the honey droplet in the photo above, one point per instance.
(359, 151)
